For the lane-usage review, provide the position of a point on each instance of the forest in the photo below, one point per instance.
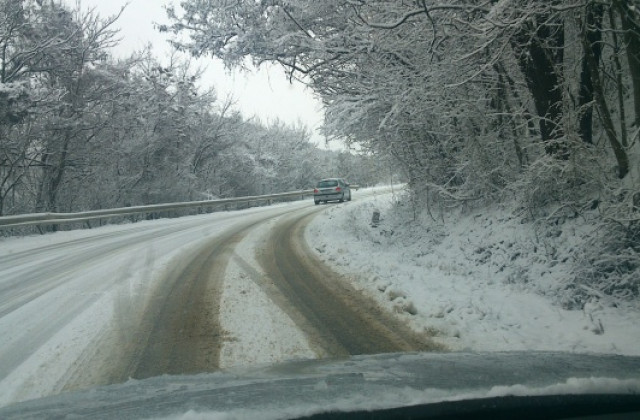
(81, 130)
(534, 105)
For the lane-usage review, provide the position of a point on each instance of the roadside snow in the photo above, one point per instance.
(479, 281)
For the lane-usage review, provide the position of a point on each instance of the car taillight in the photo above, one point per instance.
(338, 189)
(315, 191)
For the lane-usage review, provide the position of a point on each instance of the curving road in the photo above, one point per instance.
(143, 300)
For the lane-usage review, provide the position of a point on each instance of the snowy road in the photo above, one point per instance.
(188, 295)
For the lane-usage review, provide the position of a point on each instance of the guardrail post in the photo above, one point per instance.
(375, 219)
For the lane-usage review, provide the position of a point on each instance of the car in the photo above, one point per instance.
(331, 189)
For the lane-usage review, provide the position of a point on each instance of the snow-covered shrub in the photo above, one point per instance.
(609, 268)
(551, 187)
(605, 263)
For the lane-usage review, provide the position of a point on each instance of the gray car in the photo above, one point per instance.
(332, 189)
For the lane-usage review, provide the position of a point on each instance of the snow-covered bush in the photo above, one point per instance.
(609, 267)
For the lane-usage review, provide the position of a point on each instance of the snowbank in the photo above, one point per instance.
(483, 281)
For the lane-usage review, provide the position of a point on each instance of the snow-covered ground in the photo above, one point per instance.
(477, 281)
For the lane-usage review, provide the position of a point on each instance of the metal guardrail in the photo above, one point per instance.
(57, 218)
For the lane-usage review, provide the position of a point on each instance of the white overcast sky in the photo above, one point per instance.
(266, 93)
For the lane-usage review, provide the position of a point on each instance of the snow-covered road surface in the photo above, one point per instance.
(73, 297)
(188, 295)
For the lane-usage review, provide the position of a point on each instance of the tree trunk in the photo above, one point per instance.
(619, 85)
(631, 28)
(504, 105)
(603, 110)
(540, 55)
(593, 46)
(53, 172)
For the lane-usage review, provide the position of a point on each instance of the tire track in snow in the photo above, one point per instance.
(337, 319)
(178, 330)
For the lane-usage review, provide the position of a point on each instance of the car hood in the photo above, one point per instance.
(301, 388)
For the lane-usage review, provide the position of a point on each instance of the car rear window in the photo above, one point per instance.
(325, 184)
